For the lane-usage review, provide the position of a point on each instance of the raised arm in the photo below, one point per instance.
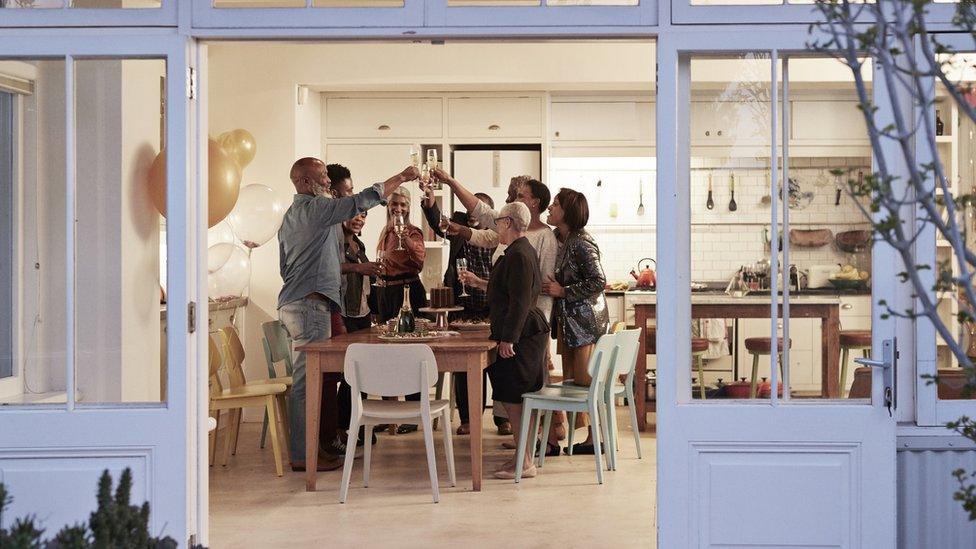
(337, 210)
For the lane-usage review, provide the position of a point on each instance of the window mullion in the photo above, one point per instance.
(69, 237)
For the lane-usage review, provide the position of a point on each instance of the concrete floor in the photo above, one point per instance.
(562, 507)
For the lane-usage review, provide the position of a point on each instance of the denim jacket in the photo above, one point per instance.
(582, 315)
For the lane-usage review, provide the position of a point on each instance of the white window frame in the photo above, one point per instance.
(14, 383)
(929, 409)
(205, 16)
(684, 13)
(165, 15)
(439, 14)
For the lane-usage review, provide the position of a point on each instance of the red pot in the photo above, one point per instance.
(765, 389)
(737, 389)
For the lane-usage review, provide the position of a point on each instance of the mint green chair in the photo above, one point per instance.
(573, 400)
(625, 364)
(277, 348)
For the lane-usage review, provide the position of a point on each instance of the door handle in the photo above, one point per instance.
(889, 358)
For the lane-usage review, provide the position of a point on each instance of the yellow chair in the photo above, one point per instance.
(234, 351)
(235, 398)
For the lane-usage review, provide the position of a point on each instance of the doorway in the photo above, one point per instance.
(584, 109)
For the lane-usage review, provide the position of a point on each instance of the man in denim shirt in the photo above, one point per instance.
(310, 253)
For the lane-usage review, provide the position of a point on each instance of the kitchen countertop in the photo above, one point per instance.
(720, 298)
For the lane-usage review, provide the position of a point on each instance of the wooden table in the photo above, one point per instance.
(467, 352)
(826, 308)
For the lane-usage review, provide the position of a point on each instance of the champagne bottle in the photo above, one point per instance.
(405, 319)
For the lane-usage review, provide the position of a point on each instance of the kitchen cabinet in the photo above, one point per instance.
(724, 123)
(494, 117)
(603, 121)
(827, 122)
(615, 307)
(386, 117)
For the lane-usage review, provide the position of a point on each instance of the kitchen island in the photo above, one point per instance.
(719, 305)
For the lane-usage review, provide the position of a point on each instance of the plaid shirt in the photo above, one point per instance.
(479, 263)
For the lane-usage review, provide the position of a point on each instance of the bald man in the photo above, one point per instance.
(310, 254)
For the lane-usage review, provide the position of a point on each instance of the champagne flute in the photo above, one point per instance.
(415, 156)
(424, 177)
(379, 259)
(462, 266)
(399, 227)
(432, 158)
(444, 224)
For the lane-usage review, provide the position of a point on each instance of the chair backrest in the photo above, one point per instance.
(234, 350)
(601, 361)
(388, 369)
(214, 360)
(277, 346)
(628, 342)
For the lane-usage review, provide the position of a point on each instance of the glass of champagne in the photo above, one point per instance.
(415, 156)
(399, 227)
(445, 223)
(462, 266)
(424, 177)
(432, 158)
(379, 259)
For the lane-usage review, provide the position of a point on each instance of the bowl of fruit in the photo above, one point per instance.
(849, 278)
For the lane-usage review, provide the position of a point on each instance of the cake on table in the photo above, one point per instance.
(442, 297)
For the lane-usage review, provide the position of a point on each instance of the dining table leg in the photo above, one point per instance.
(313, 404)
(475, 365)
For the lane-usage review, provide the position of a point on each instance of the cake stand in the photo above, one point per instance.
(441, 315)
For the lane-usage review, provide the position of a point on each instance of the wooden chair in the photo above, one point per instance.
(394, 370)
(763, 346)
(277, 348)
(236, 398)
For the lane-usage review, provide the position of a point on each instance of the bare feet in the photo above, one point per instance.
(509, 474)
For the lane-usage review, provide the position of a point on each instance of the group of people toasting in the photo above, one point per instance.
(531, 278)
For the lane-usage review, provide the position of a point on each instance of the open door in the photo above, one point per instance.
(101, 285)
(806, 456)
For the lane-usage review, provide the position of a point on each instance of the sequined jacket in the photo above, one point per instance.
(582, 315)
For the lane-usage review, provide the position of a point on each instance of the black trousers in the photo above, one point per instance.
(461, 396)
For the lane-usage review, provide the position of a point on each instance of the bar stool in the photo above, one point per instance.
(699, 346)
(761, 346)
(852, 339)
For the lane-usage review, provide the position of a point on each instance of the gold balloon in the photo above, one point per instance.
(240, 145)
(223, 186)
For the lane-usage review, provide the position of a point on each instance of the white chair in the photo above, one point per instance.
(572, 400)
(394, 370)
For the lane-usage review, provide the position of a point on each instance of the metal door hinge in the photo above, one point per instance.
(191, 317)
(191, 83)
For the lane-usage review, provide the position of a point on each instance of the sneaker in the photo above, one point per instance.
(505, 429)
(406, 428)
(337, 448)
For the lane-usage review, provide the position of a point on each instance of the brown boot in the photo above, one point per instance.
(326, 462)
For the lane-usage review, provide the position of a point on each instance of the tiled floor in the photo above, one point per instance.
(562, 507)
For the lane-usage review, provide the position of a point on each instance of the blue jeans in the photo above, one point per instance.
(306, 320)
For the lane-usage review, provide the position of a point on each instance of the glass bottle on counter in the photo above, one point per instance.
(939, 125)
(406, 323)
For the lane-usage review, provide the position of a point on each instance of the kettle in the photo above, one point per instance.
(647, 279)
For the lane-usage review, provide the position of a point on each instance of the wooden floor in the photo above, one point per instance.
(563, 507)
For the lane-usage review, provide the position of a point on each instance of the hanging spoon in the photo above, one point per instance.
(640, 207)
(732, 205)
(710, 204)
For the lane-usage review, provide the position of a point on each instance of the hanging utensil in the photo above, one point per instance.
(640, 207)
(710, 204)
(732, 205)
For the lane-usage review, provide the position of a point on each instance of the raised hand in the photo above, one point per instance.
(410, 173)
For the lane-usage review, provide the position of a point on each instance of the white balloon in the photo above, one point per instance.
(232, 271)
(219, 233)
(257, 215)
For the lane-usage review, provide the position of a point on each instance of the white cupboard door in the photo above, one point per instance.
(603, 121)
(494, 117)
(99, 385)
(827, 122)
(411, 118)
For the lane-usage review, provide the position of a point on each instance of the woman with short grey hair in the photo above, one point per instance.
(518, 326)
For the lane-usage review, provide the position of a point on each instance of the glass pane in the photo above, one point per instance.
(32, 281)
(118, 321)
(124, 4)
(31, 4)
(956, 142)
(735, 2)
(358, 3)
(463, 3)
(730, 125)
(592, 2)
(829, 242)
(259, 3)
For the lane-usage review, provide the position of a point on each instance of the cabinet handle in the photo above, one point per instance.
(383, 128)
(847, 306)
(720, 133)
(557, 134)
(496, 127)
(707, 133)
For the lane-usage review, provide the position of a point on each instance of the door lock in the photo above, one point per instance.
(889, 358)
